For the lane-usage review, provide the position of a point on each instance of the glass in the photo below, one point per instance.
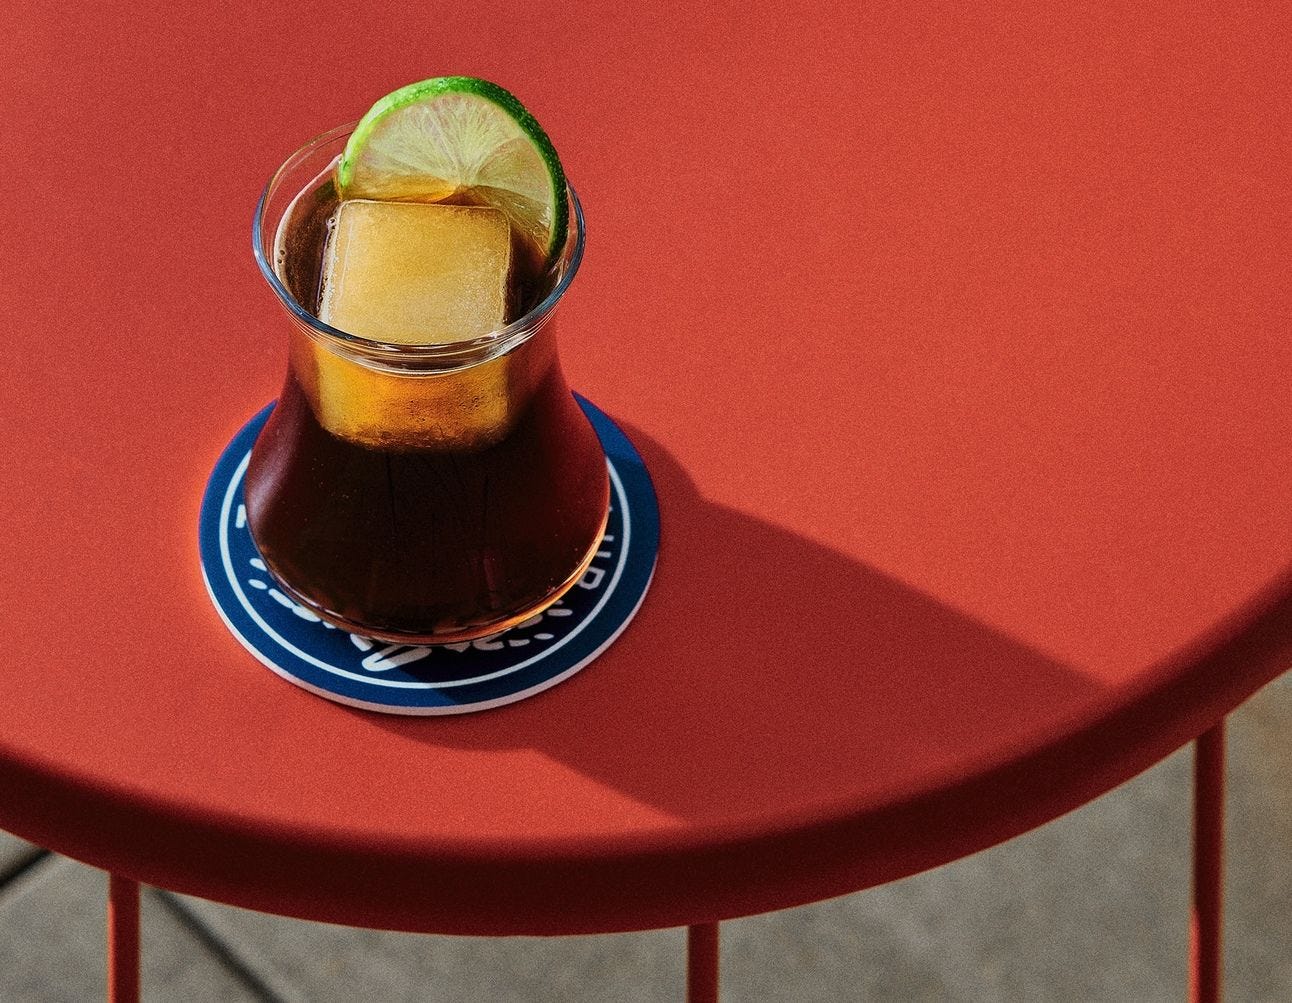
(418, 493)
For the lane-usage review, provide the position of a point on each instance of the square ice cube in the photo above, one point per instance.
(413, 273)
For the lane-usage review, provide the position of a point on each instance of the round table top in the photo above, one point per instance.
(957, 347)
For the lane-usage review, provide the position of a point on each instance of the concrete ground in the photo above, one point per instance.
(1091, 907)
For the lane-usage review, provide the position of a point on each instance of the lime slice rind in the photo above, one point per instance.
(464, 140)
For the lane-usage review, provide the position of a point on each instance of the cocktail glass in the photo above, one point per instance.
(417, 493)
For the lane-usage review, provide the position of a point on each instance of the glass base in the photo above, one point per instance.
(445, 637)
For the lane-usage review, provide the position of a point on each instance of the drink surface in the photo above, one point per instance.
(303, 234)
(428, 506)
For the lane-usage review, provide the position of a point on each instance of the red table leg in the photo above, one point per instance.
(123, 940)
(1208, 865)
(702, 963)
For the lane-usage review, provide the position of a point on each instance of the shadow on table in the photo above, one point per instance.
(779, 665)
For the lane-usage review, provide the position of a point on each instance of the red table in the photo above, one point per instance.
(956, 343)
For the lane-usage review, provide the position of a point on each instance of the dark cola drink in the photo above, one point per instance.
(420, 493)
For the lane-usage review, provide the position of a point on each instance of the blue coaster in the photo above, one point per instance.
(420, 679)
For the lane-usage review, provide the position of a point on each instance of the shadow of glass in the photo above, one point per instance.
(765, 669)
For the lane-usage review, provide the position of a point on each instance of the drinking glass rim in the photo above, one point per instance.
(457, 351)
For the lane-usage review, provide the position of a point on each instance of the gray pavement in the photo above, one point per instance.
(1091, 907)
